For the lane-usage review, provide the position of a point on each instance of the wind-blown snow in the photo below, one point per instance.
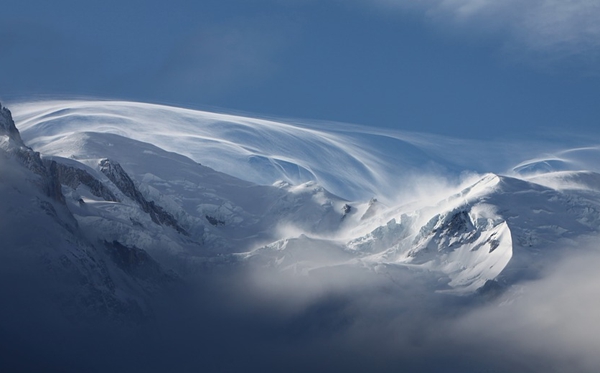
(132, 214)
(354, 162)
(347, 163)
(469, 229)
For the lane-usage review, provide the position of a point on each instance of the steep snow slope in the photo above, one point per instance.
(498, 228)
(205, 212)
(500, 224)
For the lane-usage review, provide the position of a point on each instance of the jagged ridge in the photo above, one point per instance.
(121, 179)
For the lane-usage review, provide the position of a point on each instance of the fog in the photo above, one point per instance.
(549, 325)
(244, 318)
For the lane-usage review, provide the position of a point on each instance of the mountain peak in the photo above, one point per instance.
(7, 125)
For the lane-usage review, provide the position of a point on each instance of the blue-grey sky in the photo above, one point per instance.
(470, 68)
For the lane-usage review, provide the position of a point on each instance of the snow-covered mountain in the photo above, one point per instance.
(496, 228)
(140, 237)
(138, 188)
(346, 161)
(46, 255)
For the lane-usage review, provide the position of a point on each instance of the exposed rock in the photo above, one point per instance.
(16, 149)
(346, 209)
(121, 179)
(73, 177)
(7, 126)
(136, 262)
(448, 231)
(454, 224)
(214, 221)
(52, 185)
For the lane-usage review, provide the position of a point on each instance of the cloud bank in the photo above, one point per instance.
(341, 319)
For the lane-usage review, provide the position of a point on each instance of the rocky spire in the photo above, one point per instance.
(16, 148)
(7, 126)
(117, 175)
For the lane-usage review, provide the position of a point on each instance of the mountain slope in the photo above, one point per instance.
(135, 174)
(498, 228)
(48, 259)
(348, 162)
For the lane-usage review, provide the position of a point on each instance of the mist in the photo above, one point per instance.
(349, 319)
(342, 318)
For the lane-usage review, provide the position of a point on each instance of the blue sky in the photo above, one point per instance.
(468, 68)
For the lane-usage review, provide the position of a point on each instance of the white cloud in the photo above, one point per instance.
(551, 321)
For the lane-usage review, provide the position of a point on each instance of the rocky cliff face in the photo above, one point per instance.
(137, 263)
(15, 148)
(73, 177)
(7, 126)
(121, 179)
(44, 246)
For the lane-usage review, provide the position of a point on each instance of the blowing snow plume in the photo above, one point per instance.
(350, 161)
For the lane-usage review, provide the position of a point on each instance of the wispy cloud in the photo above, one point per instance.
(555, 29)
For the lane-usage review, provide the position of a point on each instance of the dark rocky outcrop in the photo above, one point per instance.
(136, 262)
(52, 186)
(214, 221)
(121, 180)
(347, 210)
(16, 149)
(7, 126)
(73, 177)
